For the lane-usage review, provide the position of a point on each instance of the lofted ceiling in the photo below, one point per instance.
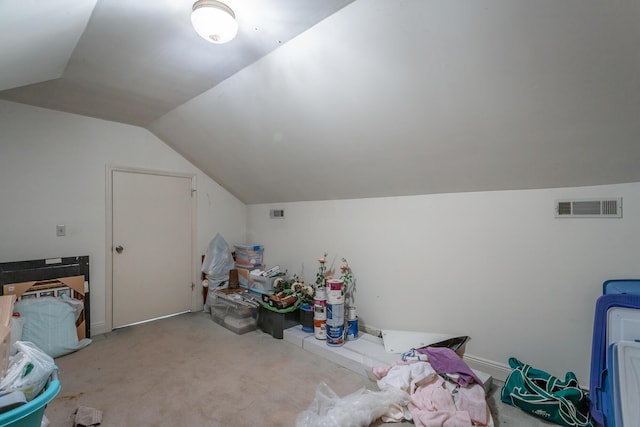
(134, 61)
(336, 99)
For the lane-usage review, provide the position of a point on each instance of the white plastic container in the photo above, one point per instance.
(261, 283)
(625, 373)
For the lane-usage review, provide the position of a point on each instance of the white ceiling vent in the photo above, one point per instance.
(589, 208)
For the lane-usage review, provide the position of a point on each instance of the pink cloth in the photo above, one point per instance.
(472, 399)
(432, 403)
(432, 406)
(433, 397)
(441, 419)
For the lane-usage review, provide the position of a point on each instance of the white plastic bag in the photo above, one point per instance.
(218, 260)
(17, 323)
(358, 409)
(28, 370)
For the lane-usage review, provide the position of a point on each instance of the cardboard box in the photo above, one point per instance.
(233, 278)
(278, 301)
(6, 312)
(243, 277)
(6, 309)
(74, 285)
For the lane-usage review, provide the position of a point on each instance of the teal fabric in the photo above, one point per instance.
(543, 395)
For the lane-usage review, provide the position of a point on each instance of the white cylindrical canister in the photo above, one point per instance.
(320, 329)
(334, 291)
(351, 312)
(320, 305)
(335, 314)
(335, 335)
(352, 329)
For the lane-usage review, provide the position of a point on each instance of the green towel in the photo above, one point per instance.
(289, 309)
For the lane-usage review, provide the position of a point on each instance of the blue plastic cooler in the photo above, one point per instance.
(618, 294)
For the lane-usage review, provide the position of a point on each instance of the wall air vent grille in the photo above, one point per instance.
(276, 213)
(589, 208)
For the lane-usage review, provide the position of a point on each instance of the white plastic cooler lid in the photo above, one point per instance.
(626, 371)
(623, 324)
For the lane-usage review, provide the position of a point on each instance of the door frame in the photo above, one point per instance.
(110, 169)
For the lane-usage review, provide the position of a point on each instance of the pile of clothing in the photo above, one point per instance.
(443, 390)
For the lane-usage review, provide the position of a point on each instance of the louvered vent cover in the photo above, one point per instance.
(276, 213)
(591, 208)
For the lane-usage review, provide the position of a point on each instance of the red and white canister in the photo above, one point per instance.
(334, 291)
(320, 314)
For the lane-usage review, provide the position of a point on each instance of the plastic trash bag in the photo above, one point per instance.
(28, 371)
(17, 323)
(358, 409)
(217, 260)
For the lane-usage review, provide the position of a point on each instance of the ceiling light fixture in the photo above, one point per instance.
(214, 21)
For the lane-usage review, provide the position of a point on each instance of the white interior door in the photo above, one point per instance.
(152, 246)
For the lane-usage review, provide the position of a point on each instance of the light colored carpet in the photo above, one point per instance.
(189, 371)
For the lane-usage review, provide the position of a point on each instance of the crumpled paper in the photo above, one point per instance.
(87, 417)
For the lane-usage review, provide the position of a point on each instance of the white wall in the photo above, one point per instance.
(52, 171)
(496, 266)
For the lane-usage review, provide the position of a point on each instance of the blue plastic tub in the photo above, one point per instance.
(30, 414)
(600, 392)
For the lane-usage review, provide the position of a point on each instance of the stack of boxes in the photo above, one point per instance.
(248, 258)
(234, 308)
(239, 309)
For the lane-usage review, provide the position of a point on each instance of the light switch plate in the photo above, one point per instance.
(60, 230)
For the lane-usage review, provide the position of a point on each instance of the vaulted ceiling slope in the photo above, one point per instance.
(381, 98)
(138, 60)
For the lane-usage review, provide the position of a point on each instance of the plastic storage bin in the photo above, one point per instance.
(260, 284)
(616, 319)
(30, 414)
(236, 317)
(608, 307)
(239, 325)
(623, 362)
(248, 256)
(621, 286)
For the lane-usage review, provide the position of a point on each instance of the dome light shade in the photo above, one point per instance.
(214, 21)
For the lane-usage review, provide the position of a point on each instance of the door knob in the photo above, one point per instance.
(119, 249)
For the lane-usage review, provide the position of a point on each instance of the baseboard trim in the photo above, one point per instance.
(497, 370)
(370, 330)
(98, 328)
